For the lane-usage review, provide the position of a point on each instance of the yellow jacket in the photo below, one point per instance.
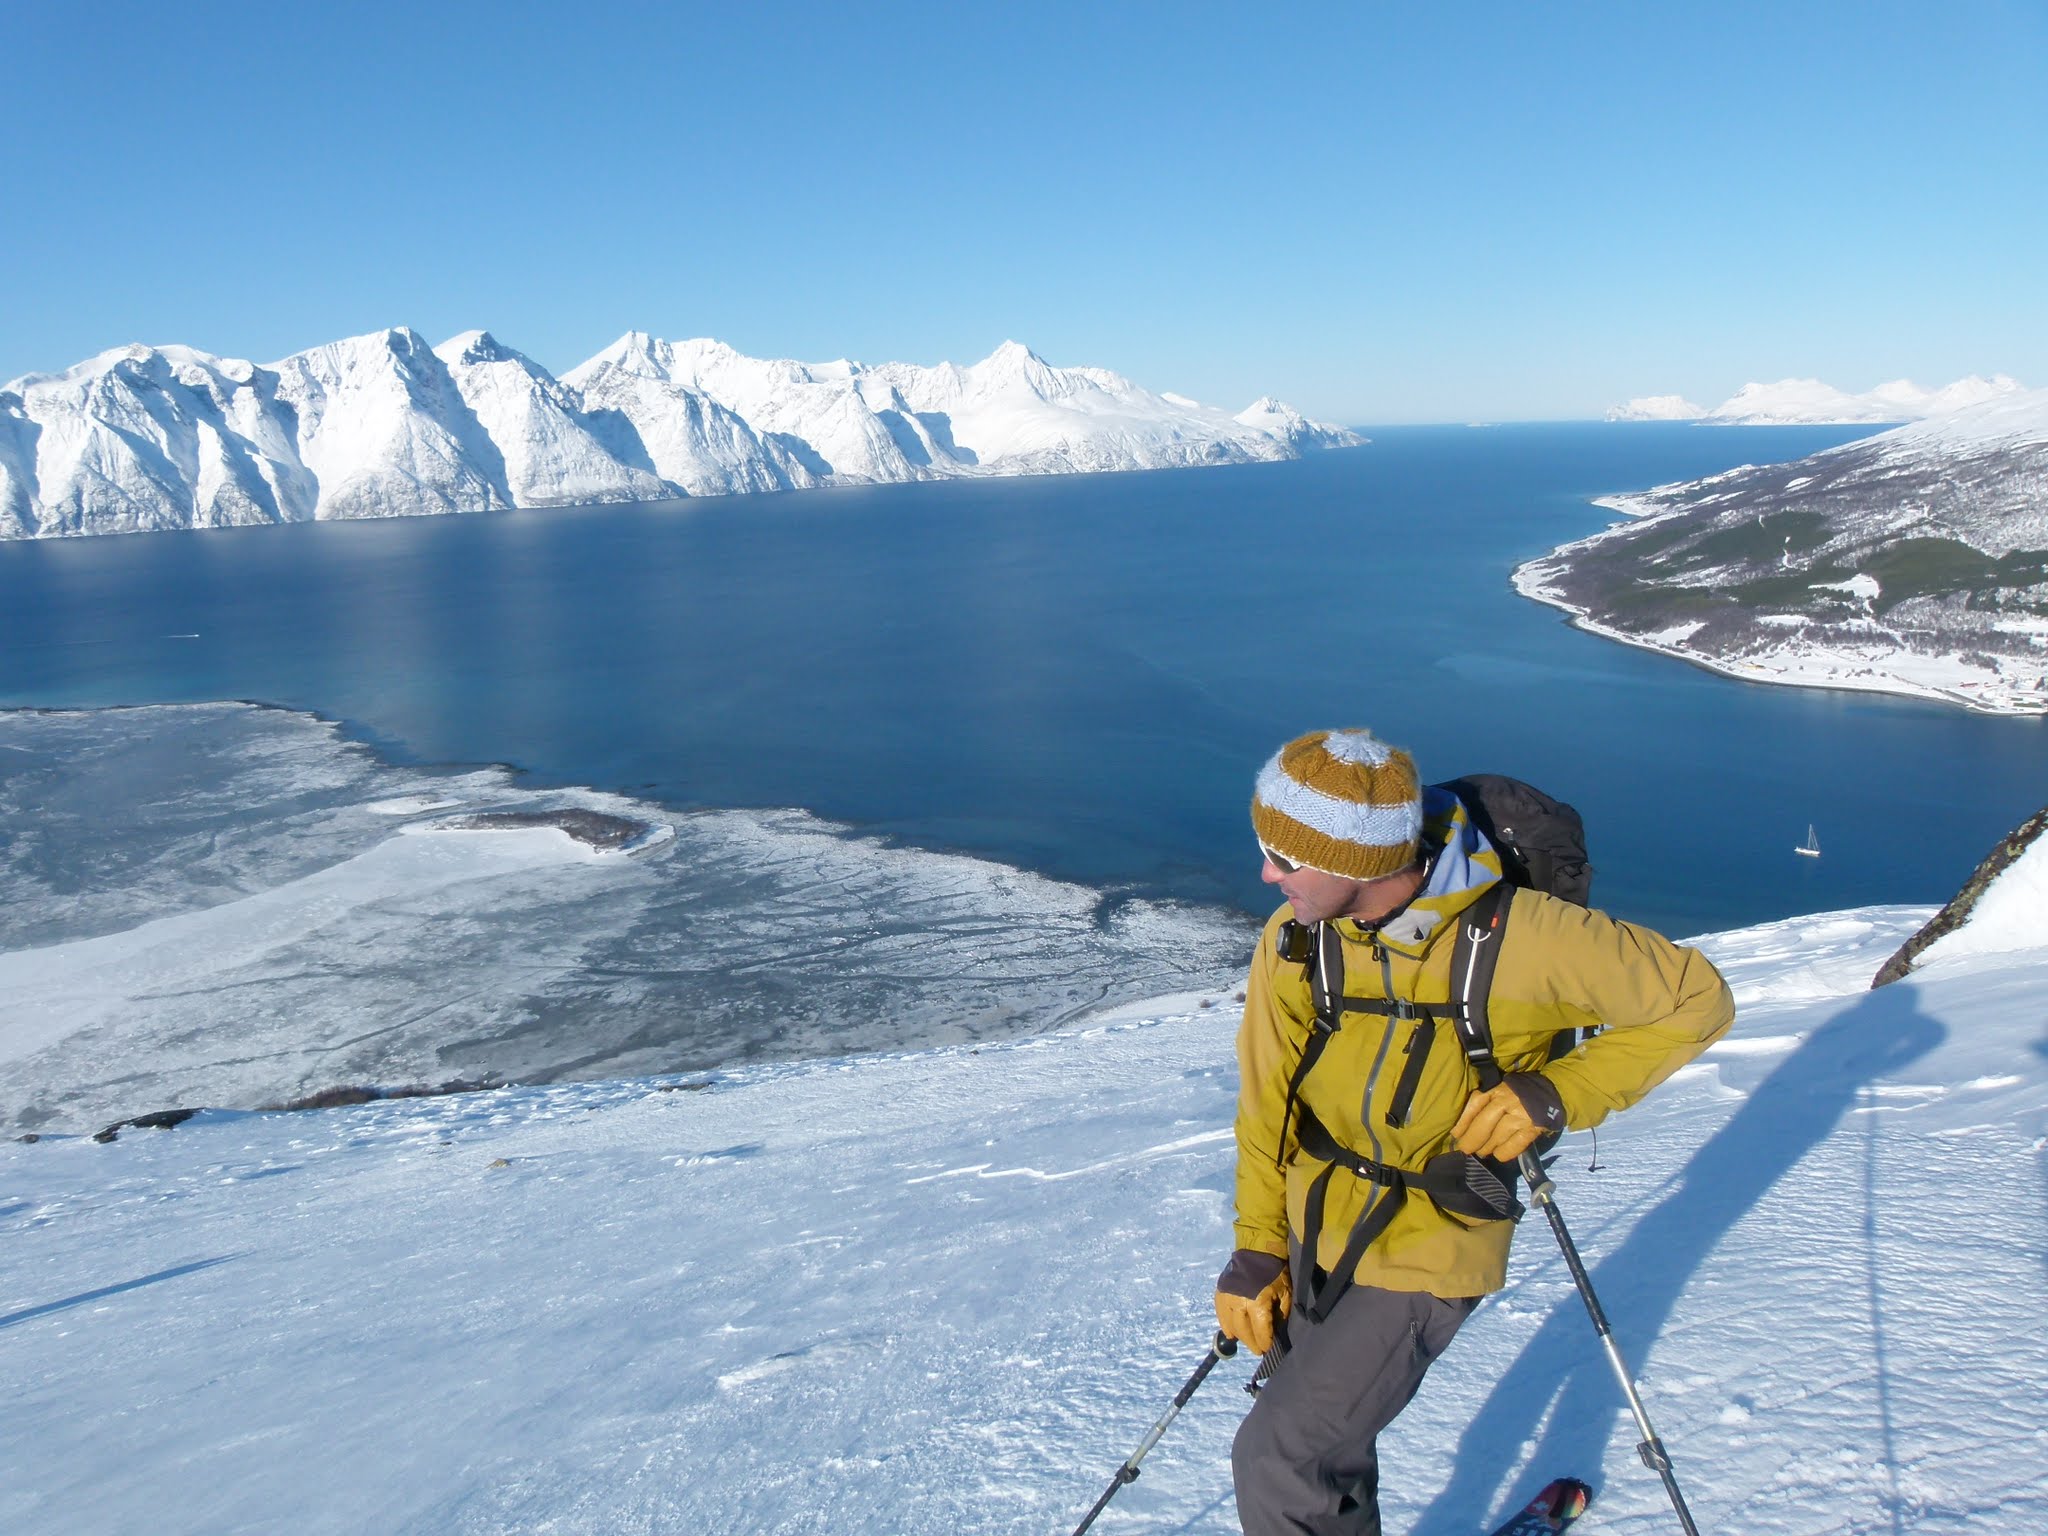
(1656, 1004)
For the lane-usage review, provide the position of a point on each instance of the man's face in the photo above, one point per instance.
(1315, 896)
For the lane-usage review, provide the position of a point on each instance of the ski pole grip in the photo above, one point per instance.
(1225, 1346)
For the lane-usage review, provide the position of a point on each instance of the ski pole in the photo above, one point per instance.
(1224, 1347)
(1650, 1448)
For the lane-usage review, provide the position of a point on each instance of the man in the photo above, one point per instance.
(1346, 1174)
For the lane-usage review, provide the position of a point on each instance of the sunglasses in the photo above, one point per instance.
(1284, 865)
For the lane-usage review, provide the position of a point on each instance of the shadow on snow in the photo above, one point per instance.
(8, 1320)
(1560, 1396)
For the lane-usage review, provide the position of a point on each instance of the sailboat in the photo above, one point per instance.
(1811, 847)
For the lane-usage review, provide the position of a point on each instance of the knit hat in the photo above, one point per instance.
(1343, 802)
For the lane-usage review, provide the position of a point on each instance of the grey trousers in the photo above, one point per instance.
(1305, 1459)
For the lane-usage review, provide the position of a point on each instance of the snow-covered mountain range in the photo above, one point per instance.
(1915, 561)
(142, 438)
(1809, 402)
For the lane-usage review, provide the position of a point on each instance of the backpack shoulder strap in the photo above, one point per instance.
(1326, 988)
(1475, 955)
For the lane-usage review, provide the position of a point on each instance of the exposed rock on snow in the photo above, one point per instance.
(1915, 561)
(144, 438)
(594, 829)
(2002, 906)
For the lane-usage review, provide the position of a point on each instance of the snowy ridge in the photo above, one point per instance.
(551, 450)
(1809, 402)
(381, 423)
(945, 1293)
(143, 439)
(1290, 426)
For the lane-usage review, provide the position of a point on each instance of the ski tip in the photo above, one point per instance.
(1561, 1502)
(1571, 1499)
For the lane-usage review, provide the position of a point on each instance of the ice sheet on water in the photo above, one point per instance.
(109, 817)
(218, 904)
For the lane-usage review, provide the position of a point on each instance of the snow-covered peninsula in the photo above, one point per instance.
(141, 439)
(1913, 562)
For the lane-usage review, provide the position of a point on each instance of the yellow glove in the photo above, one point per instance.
(1509, 1118)
(1252, 1294)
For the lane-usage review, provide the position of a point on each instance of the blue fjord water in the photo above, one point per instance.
(1077, 675)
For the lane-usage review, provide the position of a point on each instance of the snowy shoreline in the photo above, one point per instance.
(1883, 670)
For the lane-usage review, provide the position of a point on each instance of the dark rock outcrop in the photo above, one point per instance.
(160, 1120)
(354, 1093)
(1957, 912)
(594, 829)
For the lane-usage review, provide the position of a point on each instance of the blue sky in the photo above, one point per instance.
(1381, 213)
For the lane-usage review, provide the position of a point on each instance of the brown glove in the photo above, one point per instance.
(1509, 1118)
(1252, 1294)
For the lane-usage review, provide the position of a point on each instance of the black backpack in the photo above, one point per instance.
(1542, 841)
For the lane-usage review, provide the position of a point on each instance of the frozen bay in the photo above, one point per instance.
(230, 905)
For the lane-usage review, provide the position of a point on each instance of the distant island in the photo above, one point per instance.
(1809, 402)
(144, 439)
(1913, 562)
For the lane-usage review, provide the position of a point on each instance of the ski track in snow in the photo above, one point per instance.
(948, 1292)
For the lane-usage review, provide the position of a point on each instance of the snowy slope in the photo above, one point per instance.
(2015, 419)
(552, 453)
(2012, 914)
(1013, 410)
(17, 468)
(690, 439)
(817, 410)
(947, 1292)
(146, 438)
(386, 432)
